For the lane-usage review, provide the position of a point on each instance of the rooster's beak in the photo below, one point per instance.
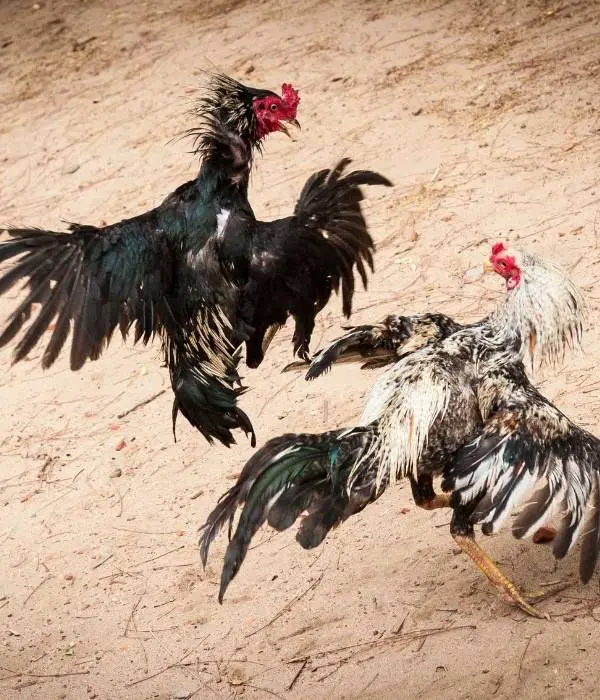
(285, 130)
(488, 267)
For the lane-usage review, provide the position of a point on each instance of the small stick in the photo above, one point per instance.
(142, 403)
(524, 652)
(401, 625)
(44, 467)
(176, 664)
(131, 614)
(298, 672)
(406, 637)
(120, 513)
(40, 584)
(45, 675)
(176, 549)
(65, 493)
(287, 606)
(368, 685)
(99, 564)
(146, 532)
(338, 665)
(265, 690)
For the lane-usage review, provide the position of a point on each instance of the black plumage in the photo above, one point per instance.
(152, 273)
(298, 261)
(199, 269)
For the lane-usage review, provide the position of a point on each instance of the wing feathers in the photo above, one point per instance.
(94, 279)
(541, 445)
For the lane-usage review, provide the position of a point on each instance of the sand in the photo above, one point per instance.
(486, 117)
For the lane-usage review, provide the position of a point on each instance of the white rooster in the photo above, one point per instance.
(457, 405)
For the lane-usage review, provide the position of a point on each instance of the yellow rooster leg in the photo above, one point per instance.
(494, 575)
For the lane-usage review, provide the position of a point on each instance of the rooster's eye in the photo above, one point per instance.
(273, 107)
(502, 264)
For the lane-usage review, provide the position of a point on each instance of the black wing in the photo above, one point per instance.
(91, 279)
(297, 262)
(95, 279)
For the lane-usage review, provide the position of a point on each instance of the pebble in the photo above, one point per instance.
(115, 473)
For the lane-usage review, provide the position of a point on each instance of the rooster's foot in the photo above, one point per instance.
(495, 576)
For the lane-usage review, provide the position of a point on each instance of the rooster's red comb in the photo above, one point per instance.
(290, 97)
(497, 248)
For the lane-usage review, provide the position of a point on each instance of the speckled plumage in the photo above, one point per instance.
(455, 404)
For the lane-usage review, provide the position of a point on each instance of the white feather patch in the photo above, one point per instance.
(222, 219)
(405, 402)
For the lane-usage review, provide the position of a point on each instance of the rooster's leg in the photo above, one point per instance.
(424, 494)
(462, 531)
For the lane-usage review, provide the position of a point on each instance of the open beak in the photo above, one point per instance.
(285, 130)
(487, 266)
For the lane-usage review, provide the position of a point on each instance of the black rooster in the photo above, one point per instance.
(193, 269)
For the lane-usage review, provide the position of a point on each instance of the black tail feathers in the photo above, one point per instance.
(290, 475)
(208, 399)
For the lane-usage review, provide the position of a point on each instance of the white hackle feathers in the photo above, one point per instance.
(545, 311)
(405, 403)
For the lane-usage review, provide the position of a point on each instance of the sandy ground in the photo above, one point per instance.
(486, 116)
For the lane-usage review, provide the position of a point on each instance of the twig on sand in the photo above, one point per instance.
(44, 675)
(297, 674)
(131, 622)
(177, 664)
(131, 614)
(264, 690)
(158, 556)
(99, 564)
(40, 584)
(406, 637)
(141, 404)
(369, 684)
(287, 606)
(527, 643)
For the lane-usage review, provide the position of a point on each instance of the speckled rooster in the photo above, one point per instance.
(456, 404)
(200, 270)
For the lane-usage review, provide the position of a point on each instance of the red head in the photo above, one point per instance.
(504, 264)
(271, 111)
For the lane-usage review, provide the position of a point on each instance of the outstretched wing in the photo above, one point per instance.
(527, 442)
(383, 343)
(129, 273)
(297, 262)
(92, 280)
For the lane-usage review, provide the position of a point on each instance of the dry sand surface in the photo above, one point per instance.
(487, 118)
